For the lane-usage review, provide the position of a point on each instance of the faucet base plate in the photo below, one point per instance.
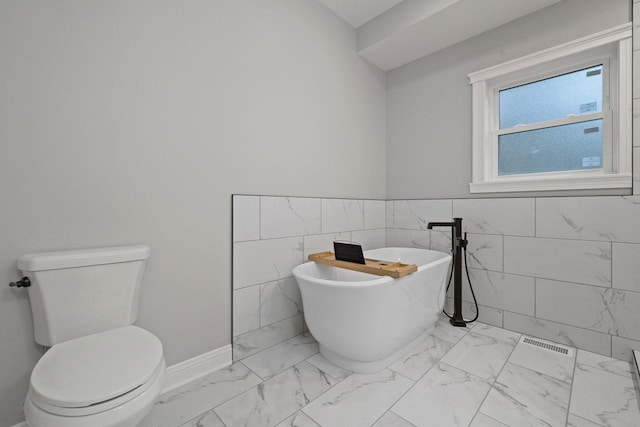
(457, 320)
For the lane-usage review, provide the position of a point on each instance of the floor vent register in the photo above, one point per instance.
(546, 346)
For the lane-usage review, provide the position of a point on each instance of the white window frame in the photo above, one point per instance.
(613, 49)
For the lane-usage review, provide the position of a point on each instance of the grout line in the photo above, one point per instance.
(232, 271)
(535, 216)
(503, 251)
(573, 375)
(521, 236)
(611, 265)
(275, 344)
(402, 418)
(573, 345)
(260, 217)
(497, 376)
(393, 216)
(232, 397)
(478, 412)
(611, 347)
(310, 197)
(535, 297)
(409, 389)
(255, 373)
(321, 218)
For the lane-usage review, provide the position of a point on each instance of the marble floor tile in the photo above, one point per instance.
(522, 397)
(604, 363)
(323, 364)
(186, 402)
(480, 355)
(259, 339)
(445, 396)
(565, 334)
(531, 386)
(602, 397)
(481, 420)
(359, 400)
(389, 419)
(299, 419)
(547, 362)
(282, 356)
(445, 331)
(415, 364)
(576, 421)
(498, 333)
(274, 400)
(208, 419)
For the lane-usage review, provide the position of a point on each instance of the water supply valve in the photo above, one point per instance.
(22, 283)
(464, 242)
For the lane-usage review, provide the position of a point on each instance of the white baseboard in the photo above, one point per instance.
(189, 370)
(196, 367)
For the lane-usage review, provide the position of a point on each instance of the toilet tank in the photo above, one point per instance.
(82, 292)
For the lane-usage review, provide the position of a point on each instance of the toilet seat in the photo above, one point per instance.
(97, 372)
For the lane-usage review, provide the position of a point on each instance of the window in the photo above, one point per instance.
(559, 119)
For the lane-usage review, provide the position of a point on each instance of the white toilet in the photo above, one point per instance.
(101, 371)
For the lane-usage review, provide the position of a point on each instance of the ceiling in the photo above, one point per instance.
(391, 33)
(358, 12)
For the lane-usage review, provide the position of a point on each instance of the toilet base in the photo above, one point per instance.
(129, 414)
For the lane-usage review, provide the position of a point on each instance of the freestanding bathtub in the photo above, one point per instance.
(364, 322)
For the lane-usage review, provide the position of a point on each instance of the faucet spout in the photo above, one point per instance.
(440, 224)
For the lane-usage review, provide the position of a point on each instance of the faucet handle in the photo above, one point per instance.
(464, 241)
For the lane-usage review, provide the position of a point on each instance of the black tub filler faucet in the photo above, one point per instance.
(457, 244)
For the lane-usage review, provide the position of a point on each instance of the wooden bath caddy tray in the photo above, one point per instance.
(371, 266)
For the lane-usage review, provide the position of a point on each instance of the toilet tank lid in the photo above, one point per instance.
(83, 257)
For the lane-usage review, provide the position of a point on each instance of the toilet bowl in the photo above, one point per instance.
(107, 379)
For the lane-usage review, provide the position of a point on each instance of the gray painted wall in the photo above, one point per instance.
(125, 122)
(429, 100)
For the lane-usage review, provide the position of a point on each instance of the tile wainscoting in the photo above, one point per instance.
(271, 235)
(565, 268)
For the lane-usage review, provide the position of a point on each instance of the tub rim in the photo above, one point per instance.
(379, 281)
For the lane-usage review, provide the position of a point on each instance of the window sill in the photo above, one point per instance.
(553, 183)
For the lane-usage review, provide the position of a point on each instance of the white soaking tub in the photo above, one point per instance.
(365, 322)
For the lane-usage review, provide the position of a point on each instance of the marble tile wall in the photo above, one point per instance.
(565, 269)
(271, 235)
(636, 97)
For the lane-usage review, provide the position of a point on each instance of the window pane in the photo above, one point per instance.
(578, 93)
(576, 146)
